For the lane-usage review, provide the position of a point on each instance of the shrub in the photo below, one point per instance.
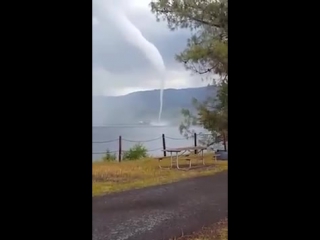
(109, 157)
(136, 152)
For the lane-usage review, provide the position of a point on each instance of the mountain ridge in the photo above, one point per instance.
(144, 105)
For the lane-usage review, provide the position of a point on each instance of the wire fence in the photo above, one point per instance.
(141, 141)
(123, 145)
(124, 151)
(135, 141)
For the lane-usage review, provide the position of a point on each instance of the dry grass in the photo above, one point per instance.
(114, 177)
(218, 231)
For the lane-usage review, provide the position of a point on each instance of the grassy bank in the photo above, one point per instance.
(108, 177)
(217, 231)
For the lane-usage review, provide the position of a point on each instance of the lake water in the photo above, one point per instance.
(104, 138)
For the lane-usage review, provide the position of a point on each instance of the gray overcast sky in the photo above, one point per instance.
(120, 68)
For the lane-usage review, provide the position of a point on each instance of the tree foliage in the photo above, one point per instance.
(206, 53)
(207, 49)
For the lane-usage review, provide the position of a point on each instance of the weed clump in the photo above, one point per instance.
(109, 156)
(138, 151)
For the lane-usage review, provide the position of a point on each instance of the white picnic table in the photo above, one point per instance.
(180, 151)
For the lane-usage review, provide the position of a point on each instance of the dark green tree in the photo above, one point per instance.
(206, 53)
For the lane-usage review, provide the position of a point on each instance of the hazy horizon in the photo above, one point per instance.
(143, 106)
(147, 90)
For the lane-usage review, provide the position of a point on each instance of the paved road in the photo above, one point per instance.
(161, 212)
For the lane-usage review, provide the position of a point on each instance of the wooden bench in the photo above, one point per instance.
(187, 158)
(191, 157)
(176, 153)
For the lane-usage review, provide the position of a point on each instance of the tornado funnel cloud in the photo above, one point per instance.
(134, 36)
(161, 104)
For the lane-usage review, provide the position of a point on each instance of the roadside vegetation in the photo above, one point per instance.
(111, 176)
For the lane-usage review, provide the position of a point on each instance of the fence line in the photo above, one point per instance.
(149, 140)
(141, 141)
(120, 140)
(123, 151)
(173, 138)
(108, 141)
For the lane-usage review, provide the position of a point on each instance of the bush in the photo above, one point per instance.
(136, 152)
(109, 157)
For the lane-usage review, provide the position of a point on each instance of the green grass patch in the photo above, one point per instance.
(108, 177)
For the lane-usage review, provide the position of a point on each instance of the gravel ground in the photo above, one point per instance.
(161, 212)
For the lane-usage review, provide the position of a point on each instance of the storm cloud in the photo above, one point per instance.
(119, 67)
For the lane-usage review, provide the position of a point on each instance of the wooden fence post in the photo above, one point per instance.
(164, 145)
(195, 142)
(120, 148)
